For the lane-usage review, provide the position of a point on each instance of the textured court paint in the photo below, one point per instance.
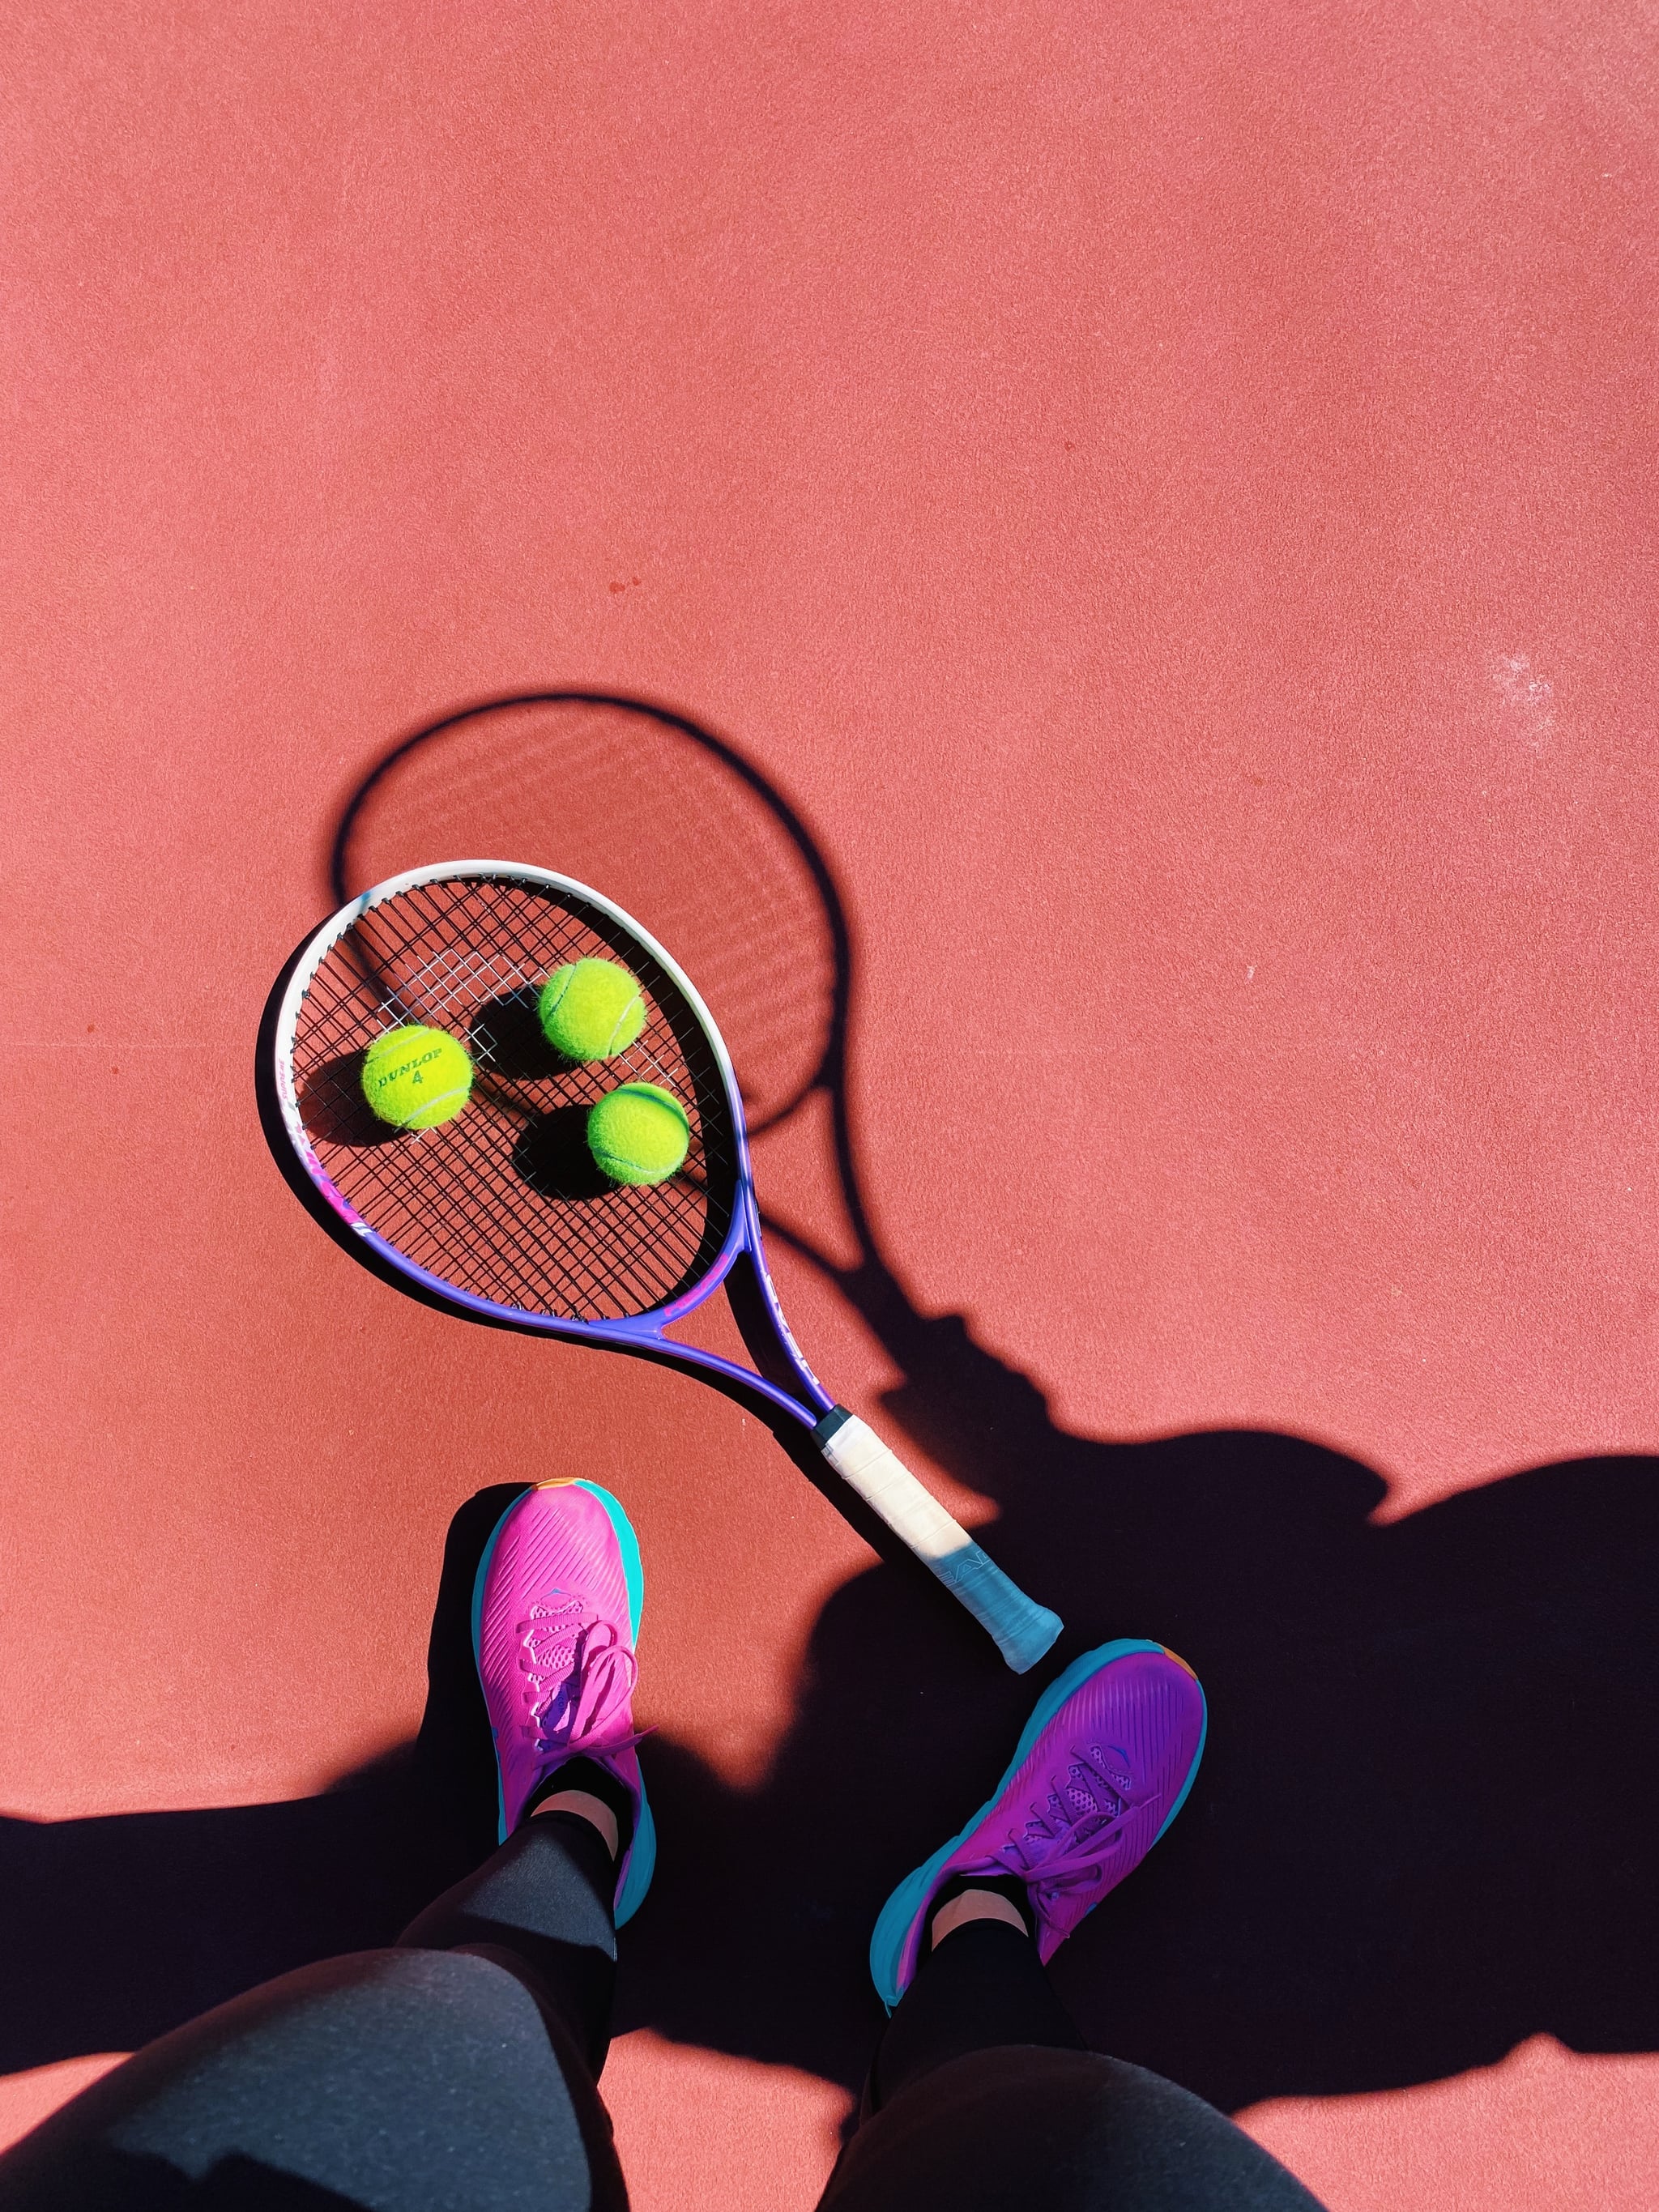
(689, 2125)
(27, 2098)
(1166, 489)
(1572, 2132)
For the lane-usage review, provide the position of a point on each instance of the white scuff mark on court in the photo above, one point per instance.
(1525, 699)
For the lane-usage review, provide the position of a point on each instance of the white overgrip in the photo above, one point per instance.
(1022, 1630)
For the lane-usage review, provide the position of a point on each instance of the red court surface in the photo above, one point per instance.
(1166, 495)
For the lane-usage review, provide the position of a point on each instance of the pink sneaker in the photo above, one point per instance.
(556, 1611)
(1103, 1766)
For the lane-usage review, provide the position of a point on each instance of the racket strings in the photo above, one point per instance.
(468, 1201)
(420, 1214)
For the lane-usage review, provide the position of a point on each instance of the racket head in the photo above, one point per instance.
(501, 1212)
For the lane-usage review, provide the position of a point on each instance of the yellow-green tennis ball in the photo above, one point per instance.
(638, 1133)
(590, 1010)
(417, 1077)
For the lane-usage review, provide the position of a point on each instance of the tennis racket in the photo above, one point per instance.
(500, 1215)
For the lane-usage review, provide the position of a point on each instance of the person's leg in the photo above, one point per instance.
(458, 2069)
(1067, 2130)
(982, 2092)
(405, 2079)
(541, 1907)
(981, 1986)
(556, 1600)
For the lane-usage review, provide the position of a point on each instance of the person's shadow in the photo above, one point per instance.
(1423, 1830)
(1421, 1833)
(1424, 1826)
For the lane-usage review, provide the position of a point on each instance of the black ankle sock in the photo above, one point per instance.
(598, 1782)
(999, 1885)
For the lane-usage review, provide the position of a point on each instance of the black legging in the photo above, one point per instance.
(458, 2071)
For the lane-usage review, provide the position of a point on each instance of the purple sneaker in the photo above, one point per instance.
(1103, 1766)
(556, 1611)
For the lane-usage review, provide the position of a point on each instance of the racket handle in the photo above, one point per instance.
(1021, 1631)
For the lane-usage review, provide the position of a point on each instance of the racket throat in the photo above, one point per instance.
(766, 1334)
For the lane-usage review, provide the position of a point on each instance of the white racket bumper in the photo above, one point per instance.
(1021, 1631)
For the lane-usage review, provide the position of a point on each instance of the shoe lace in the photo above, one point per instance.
(1069, 1833)
(581, 1675)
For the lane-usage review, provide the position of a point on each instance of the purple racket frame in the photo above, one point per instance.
(1022, 1630)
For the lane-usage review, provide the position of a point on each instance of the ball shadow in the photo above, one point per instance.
(551, 1155)
(334, 1111)
(505, 1036)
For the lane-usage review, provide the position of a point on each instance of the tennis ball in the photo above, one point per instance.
(417, 1077)
(638, 1133)
(590, 1010)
